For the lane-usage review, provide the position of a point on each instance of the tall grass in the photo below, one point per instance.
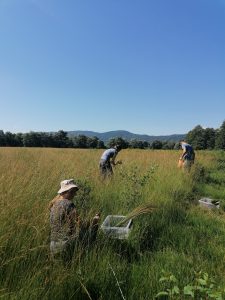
(178, 236)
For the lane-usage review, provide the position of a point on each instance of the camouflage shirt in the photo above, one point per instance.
(62, 226)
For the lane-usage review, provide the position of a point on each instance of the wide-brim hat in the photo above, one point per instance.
(67, 185)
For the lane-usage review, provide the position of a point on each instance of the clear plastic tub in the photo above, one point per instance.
(209, 203)
(111, 227)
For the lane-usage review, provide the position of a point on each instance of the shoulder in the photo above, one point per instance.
(189, 146)
(66, 204)
(69, 203)
(109, 151)
(106, 152)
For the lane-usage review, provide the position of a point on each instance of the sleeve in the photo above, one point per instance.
(70, 208)
(71, 217)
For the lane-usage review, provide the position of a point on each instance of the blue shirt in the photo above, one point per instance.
(189, 150)
(108, 154)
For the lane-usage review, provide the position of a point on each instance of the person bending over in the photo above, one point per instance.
(108, 160)
(188, 156)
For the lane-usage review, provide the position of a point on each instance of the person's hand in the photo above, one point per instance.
(180, 163)
(78, 220)
(96, 218)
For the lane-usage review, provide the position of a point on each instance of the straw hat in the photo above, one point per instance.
(66, 185)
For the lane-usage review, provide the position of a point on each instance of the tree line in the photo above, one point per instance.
(199, 138)
(208, 138)
(61, 139)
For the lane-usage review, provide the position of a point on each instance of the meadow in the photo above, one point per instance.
(178, 238)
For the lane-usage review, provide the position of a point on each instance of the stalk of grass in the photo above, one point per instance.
(138, 211)
(117, 282)
(85, 290)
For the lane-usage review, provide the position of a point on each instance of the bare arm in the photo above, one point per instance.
(183, 154)
(113, 159)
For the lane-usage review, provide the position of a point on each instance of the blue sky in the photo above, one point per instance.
(147, 66)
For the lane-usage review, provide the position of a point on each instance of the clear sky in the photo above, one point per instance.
(146, 66)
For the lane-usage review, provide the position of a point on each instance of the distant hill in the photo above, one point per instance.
(105, 136)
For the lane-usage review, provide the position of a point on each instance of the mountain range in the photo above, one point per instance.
(105, 136)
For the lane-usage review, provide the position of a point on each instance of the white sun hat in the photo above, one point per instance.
(66, 185)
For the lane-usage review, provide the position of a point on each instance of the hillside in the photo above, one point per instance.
(105, 136)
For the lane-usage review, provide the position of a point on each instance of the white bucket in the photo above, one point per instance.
(207, 202)
(110, 228)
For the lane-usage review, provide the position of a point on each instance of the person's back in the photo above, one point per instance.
(108, 154)
(60, 223)
(189, 151)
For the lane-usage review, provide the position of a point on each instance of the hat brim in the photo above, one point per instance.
(67, 188)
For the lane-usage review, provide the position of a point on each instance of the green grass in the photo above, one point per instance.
(178, 236)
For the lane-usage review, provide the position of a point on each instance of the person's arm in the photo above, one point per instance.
(72, 219)
(183, 154)
(94, 227)
(113, 159)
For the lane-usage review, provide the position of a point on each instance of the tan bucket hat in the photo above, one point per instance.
(66, 185)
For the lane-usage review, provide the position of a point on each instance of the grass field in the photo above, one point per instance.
(178, 236)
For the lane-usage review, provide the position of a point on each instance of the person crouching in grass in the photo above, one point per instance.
(64, 222)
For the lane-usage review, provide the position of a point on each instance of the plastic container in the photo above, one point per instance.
(110, 227)
(207, 202)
